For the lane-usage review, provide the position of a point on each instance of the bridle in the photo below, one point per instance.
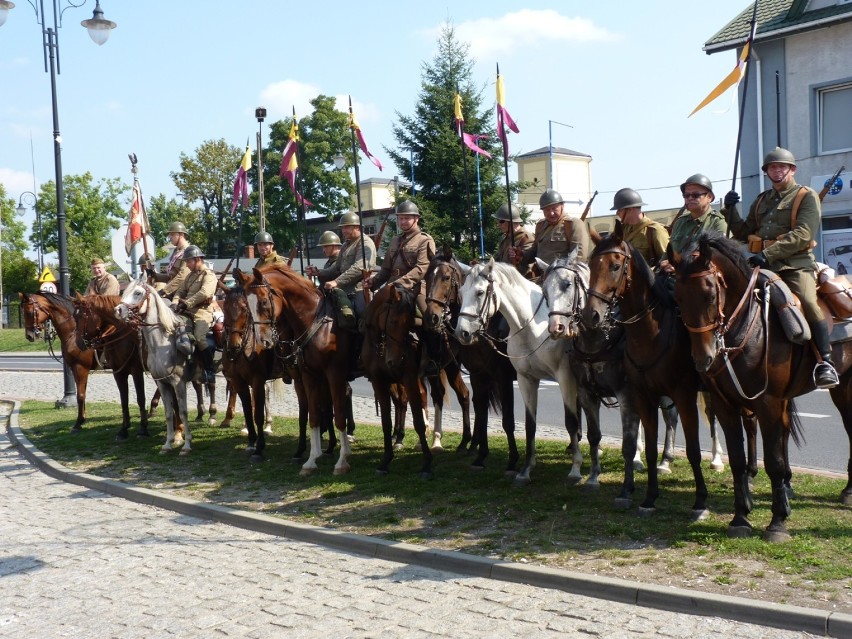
(580, 293)
(103, 337)
(621, 287)
(451, 297)
(272, 322)
(136, 316)
(47, 326)
(245, 336)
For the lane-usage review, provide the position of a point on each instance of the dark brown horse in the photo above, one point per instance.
(78, 351)
(491, 372)
(743, 354)
(656, 353)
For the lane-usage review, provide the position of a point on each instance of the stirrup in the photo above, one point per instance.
(825, 375)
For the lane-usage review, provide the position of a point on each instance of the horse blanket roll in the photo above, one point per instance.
(788, 306)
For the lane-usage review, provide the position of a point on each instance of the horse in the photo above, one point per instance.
(142, 307)
(280, 300)
(496, 287)
(742, 353)
(38, 308)
(491, 373)
(656, 355)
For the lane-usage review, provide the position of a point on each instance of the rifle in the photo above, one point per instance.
(377, 238)
(830, 183)
(220, 283)
(593, 234)
(293, 252)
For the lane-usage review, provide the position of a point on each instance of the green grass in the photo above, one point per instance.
(481, 512)
(13, 339)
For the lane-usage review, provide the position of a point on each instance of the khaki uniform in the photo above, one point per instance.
(174, 275)
(406, 263)
(106, 285)
(558, 240)
(197, 291)
(790, 255)
(520, 240)
(272, 258)
(687, 228)
(648, 237)
(346, 270)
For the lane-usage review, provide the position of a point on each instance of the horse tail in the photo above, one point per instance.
(797, 432)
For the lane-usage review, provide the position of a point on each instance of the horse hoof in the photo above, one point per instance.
(437, 448)
(382, 471)
(244, 431)
(699, 514)
(342, 470)
(644, 511)
(306, 472)
(739, 532)
(184, 452)
(397, 446)
(225, 423)
(426, 475)
(776, 536)
(521, 480)
(592, 487)
(350, 438)
(165, 451)
(510, 473)
(267, 430)
(143, 433)
(76, 429)
(573, 480)
(121, 436)
(664, 469)
(256, 458)
(846, 498)
(718, 465)
(790, 492)
(623, 503)
(211, 422)
(638, 466)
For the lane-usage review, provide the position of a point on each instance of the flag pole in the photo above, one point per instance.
(460, 131)
(357, 184)
(137, 186)
(505, 169)
(300, 201)
(752, 31)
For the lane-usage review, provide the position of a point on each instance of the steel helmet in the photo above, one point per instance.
(407, 208)
(263, 238)
(782, 156)
(192, 251)
(349, 219)
(147, 258)
(177, 227)
(701, 180)
(508, 213)
(549, 198)
(329, 238)
(626, 199)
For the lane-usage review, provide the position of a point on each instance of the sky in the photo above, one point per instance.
(623, 75)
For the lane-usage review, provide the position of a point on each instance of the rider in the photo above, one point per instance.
(555, 236)
(405, 265)
(509, 220)
(648, 237)
(177, 270)
(102, 282)
(780, 228)
(698, 195)
(265, 247)
(194, 299)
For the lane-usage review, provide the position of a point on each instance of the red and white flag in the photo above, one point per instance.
(138, 225)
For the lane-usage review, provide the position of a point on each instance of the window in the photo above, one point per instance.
(835, 105)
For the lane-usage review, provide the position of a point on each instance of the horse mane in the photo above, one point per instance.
(167, 317)
(514, 276)
(63, 302)
(707, 240)
(282, 268)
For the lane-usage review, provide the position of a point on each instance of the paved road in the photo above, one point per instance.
(76, 562)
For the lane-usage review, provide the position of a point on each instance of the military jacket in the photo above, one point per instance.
(686, 228)
(551, 242)
(346, 271)
(648, 237)
(407, 261)
(197, 291)
(175, 273)
(106, 285)
(770, 218)
(272, 258)
(520, 240)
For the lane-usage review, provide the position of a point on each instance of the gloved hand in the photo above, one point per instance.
(759, 260)
(178, 307)
(150, 271)
(731, 198)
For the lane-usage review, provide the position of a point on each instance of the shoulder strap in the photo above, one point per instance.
(651, 236)
(568, 226)
(797, 202)
(757, 204)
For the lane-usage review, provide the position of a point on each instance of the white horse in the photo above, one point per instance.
(157, 323)
(493, 287)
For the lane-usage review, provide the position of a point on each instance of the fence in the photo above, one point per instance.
(11, 317)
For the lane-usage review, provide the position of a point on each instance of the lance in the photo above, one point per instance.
(506, 171)
(357, 185)
(300, 200)
(137, 185)
(243, 217)
(753, 24)
(466, 182)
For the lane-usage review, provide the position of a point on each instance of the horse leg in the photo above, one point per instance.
(259, 410)
(670, 418)
(155, 401)
(314, 415)
(479, 440)
(199, 400)
(382, 392)
(267, 418)
(81, 381)
(647, 407)
(841, 395)
(463, 397)
(749, 422)
(774, 420)
(302, 400)
(139, 385)
(180, 393)
(167, 393)
(507, 401)
(230, 410)
(629, 447)
(687, 408)
(400, 404)
(731, 420)
(529, 391)
(124, 397)
(438, 394)
(242, 390)
(416, 393)
(341, 400)
(591, 406)
(716, 450)
(350, 415)
(213, 409)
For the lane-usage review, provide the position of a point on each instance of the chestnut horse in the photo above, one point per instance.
(78, 343)
(743, 354)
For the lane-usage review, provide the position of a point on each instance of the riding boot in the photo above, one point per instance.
(346, 316)
(825, 375)
(209, 373)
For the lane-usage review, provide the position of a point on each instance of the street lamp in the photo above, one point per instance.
(550, 124)
(260, 114)
(99, 29)
(32, 200)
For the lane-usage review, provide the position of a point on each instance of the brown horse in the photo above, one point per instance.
(656, 353)
(743, 354)
(79, 337)
(491, 372)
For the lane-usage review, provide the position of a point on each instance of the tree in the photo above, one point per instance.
(17, 272)
(430, 136)
(162, 213)
(207, 178)
(93, 214)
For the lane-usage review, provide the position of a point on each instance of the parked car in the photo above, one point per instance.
(840, 258)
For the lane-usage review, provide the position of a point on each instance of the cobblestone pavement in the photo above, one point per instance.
(76, 562)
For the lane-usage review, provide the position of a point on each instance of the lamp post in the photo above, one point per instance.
(32, 199)
(98, 29)
(260, 114)
(550, 124)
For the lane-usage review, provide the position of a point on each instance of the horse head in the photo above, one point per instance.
(478, 302)
(564, 284)
(609, 277)
(443, 280)
(261, 300)
(89, 324)
(35, 316)
(237, 324)
(389, 322)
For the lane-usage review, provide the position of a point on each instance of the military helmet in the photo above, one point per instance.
(329, 238)
(626, 199)
(701, 180)
(782, 156)
(177, 227)
(549, 198)
(263, 238)
(508, 213)
(407, 208)
(147, 258)
(192, 251)
(349, 219)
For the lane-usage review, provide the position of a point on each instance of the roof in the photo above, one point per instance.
(557, 150)
(776, 18)
(384, 181)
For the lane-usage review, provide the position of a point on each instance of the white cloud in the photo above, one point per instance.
(525, 29)
(16, 182)
(364, 111)
(280, 98)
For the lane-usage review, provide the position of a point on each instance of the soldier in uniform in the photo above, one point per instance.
(330, 244)
(265, 247)
(194, 299)
(177, 270)
(555, 236)
(514, 235)
(102, 283)
(344, 279)
(648, 237)
(698, 195)
(405, 265)
(780, 228)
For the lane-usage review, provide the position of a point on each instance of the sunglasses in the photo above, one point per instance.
(692, 196)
